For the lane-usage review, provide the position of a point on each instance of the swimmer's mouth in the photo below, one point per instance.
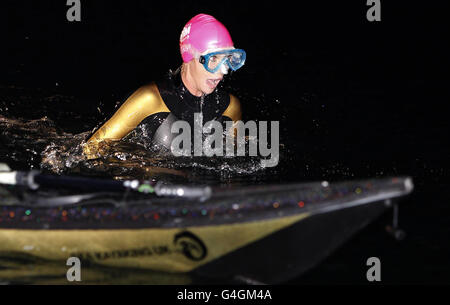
(213, 82)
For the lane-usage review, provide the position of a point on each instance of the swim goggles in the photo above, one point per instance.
(234, 59)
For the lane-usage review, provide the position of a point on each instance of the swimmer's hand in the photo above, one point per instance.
(93, 150)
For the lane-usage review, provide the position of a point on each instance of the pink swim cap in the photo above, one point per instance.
(201, 33)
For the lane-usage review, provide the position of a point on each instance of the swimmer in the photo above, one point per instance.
(208, 54)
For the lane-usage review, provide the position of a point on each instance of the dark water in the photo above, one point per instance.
(354, 100)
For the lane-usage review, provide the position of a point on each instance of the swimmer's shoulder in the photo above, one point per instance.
(148, 99)
(233, 110)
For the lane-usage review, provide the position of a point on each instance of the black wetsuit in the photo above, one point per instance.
(155, 130)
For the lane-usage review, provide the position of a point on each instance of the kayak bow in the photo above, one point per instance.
(267, 233)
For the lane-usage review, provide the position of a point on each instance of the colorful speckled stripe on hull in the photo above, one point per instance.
(275, 201)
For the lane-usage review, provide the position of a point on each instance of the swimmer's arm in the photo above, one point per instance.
(234, 112)
(143, 102)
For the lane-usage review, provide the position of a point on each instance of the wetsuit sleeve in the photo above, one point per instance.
(143, 102)
(233, 110)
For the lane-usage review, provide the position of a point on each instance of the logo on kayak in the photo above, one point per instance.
(191, 246)
(184, 243)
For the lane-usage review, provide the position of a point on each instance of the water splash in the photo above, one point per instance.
(40, 144)
(48, 137)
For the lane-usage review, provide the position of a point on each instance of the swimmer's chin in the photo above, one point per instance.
(207, 91)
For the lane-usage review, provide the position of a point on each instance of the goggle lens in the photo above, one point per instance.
(234, 59)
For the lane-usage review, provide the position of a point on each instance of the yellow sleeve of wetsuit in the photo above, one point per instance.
(233, 111)
(143, 102)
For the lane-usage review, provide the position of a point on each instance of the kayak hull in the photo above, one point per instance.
(293, 250)
(282, 235)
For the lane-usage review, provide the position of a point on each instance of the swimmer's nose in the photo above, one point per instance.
(224, 69)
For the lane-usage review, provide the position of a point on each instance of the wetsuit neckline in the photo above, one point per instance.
(178, 82)
(185, 96)
(183, 104)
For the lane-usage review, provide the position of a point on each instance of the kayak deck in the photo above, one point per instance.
(44, 210)
(266, 233)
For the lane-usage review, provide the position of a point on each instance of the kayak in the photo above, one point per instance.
(254, 234)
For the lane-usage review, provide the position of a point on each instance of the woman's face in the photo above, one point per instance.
(204, 81)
